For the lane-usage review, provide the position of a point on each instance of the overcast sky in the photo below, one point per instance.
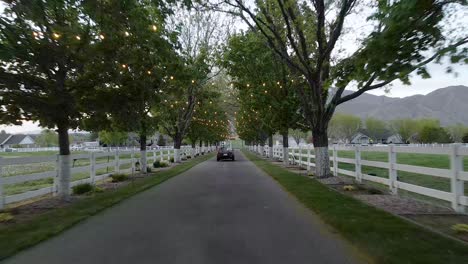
(440, 79)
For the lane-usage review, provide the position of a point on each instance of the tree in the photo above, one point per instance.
(161, 140)
(376, 129)
(113, 138)
(199, 35)
(264, 92)
(308, 36)
(457, 132)
(47, 138)
(344, 127)
(45, 49)
(406, 128)
(465, 138)
(434, 134)
(298, 134)
(134, 70)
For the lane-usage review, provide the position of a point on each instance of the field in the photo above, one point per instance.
(425, 160)
(21, 169)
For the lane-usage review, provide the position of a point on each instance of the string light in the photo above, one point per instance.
(124, 66)
(56, 36)
(78, 37)
(172, 77)
(155, 28)
(127, 34)
(149, 72)
(193, 81)
(101, 36)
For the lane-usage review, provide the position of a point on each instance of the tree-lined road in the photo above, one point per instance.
(217, 212)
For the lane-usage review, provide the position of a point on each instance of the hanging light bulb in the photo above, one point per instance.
(149, 72)
(101, 36)
(155, 28)
(172, 77)
(266, 91)
(264, 84)
(193, 81)
(124, 66)
(56, 36)
(78, 37)
(248, 85)
(127, 34)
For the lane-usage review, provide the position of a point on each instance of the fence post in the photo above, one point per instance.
(117, 161)
(358, 169)
(2, 197)
(92, 167)
(132, 157)
(57, 171)
(308, 159)
(335, 161)
(456, 185)
(392, 172)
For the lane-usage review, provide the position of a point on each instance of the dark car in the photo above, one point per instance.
(225, 153)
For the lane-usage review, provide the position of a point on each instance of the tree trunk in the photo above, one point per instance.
(201, 147)
(270, 145)
(322, 158)
(177, 144)
(194, 150)
(62, 183)
(285, 148)
(143, 162)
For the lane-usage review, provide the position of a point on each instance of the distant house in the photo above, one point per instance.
(360, 138)
(386, 138)
(13, 140)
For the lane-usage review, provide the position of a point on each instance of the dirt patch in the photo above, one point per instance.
(402, 205)
(442, 223)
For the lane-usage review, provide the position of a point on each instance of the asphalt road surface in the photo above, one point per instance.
(217, 212)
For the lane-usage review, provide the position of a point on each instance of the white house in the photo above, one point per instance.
(11, 140)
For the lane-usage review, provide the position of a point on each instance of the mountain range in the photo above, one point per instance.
(449, 105)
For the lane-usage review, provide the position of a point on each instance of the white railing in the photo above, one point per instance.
(89, 165)
(304, 156)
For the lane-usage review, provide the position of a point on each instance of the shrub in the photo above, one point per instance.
(98, 189)
(119, 177)
(460, 228)
(6, 217)
(374, 191)
(172, 159)
(160, 164)
(82, 188)
(148, 169)
(349, 188)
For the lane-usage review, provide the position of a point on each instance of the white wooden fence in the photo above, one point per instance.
(455, 174)
(90, 162)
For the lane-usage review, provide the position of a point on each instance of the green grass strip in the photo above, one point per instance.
(23, 235)
(385, 238)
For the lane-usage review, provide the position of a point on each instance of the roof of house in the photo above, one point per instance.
(9, 139)
(3, 138)
(16, 139)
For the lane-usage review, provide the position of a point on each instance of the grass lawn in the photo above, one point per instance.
(383, 237)
(16, 237)
(22, 169)
(423, 160)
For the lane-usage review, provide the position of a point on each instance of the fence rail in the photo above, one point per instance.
(303, 156)
(88, 165)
